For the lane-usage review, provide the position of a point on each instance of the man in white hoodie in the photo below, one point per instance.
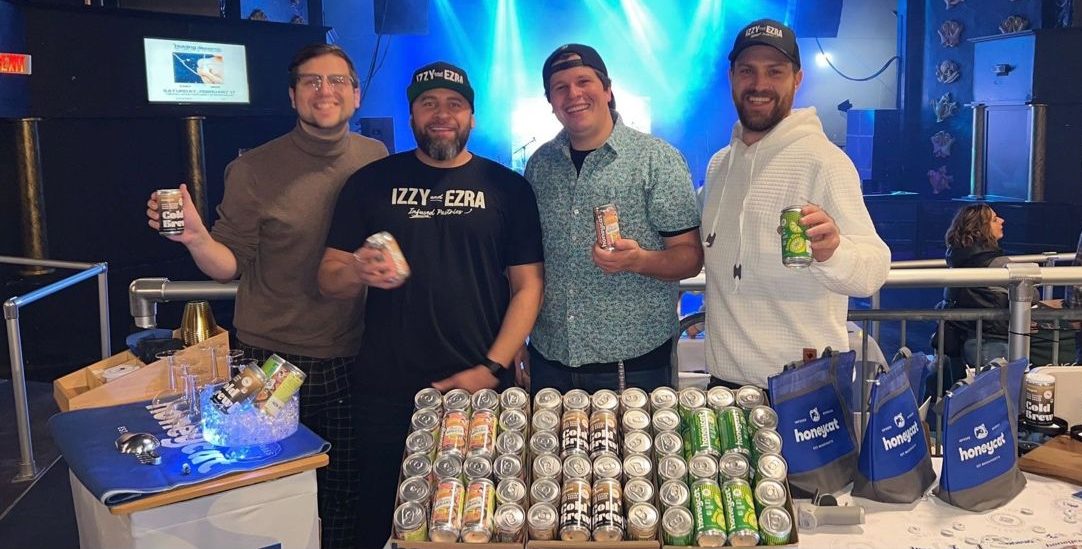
(760, 314)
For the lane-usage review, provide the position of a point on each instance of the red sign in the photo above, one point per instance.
(14, 63)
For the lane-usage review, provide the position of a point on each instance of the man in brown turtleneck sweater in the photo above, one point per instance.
(271, 229)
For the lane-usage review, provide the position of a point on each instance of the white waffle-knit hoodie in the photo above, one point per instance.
(763, 318)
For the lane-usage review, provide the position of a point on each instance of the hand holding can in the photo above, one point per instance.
(170, 212)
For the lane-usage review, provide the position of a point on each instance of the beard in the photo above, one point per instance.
(441, 149)
(758, 122)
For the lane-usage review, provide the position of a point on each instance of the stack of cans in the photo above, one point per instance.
(463, 476)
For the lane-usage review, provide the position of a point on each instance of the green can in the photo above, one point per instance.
(775, 525)
(703, 427)
(741, 523)
(733, 431)
(678, 526)
(709, 513)
(795, 252)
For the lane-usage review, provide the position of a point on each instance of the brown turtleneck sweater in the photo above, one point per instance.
(274, 217)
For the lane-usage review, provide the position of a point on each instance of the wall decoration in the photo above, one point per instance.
(950, 33)
(952, 3)
(941, 144)
(945, 107)
(947, 72)
(939, 180)
(1013, 23)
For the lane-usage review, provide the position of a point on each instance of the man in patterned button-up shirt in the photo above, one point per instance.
(607, 313)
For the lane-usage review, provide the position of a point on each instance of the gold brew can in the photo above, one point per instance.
(170, 212)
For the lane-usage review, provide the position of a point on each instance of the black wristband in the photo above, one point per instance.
(492, 365)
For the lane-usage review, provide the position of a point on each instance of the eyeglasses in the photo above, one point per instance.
(314, 82)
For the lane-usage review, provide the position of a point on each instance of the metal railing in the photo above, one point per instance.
(28, 469)
(144, 294)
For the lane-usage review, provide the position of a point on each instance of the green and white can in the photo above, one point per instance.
(709, 513)
(741, 522)
(795, 252)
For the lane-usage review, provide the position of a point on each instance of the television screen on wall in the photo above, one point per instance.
(186, 72)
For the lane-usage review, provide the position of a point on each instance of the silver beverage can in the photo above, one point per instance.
(426, 419)
(634, 397)
(416, 489)
(691, 398)
(638, 490)
(637, 442)
(574, 432)
(662, 398)
(672, 467)
(428, 398)
(762, 417)
(642, 522)
(541, 521)
(485, 399)
(638, 466)
(635, 420)
(510, 442)
(545, 490)
(775, 526)
(545, 420)
(477, 467)
(666, 420)
(482, 434)
(669, 443)
(720, 397)
(577, 399)
(417, 465)
(765, 441)
(447, 466)
(769, 492)
(507, 466)
(674, 493)
(605, 399)
(734, 465)
(678, 526)
(509, 523)
(772, 466)
(608, 508)
(170, 212)
(514, 398)
(544, 442)
(608, 466)
(511, 490)
(421, 442)
(703, 466)
(547, 466)
(411, 521)
(457, 399)
(445, 521)
(548, 399)
(604, 433)
(607, 225)
(575, 515)
(479, 511)
(750, 396)
(513, 420)
(578, 466)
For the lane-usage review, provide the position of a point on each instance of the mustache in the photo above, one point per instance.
(761, 95)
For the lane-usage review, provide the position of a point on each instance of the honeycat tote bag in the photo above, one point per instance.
(815, 425)
(980, 445)
(894, 464)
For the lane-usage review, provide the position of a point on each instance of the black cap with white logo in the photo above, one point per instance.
(767, 32)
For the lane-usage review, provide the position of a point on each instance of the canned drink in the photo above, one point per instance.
(482, 440)
(750, 396)
(544, 442)
(485, 399)
(607, 225)
(604, 433)
(425, 419)
(637, 442)
(608, 507)
(634, 397)
(421, 442)
(605, 399)
(574, 432)
(386, 243)
(666, 420)
(662, 398)
(765, 441)
(720, 397)
(576, 399)
(170, 212)
(478, 512)
(511, 490)
(709, 513)
(541, 521)
(513, 420)
(417, 465)
(475, 467)
(457, 399)
(775, 525)
(510, 442)
(741, 523)
(642, 522)
(416, 489)
(545, 490)
(638, 466)
(428, 398)
(548, 399)
(507, 466)
(703, 433)
(509, 522)
(674, 493)
(733, 429)
(762, 417)
(410, 522)
(545, 420)
(575, 517)
(244, 386)
(608, 466)
(547, 466)
(635, 420)
(734, 465)
(1040, 399)
(795, 252)
(772, 466)
(578, 466)
(703, 466)
(445, 522)
(447, 465)
(689, 400)
(769, 493)
(672, 467)
(453, 434)
(638, 490)
(678, 526)
(669, 443)
(514, 398)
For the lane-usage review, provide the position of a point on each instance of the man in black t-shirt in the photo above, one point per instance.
(469, 230)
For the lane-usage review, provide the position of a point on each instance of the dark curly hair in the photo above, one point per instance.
(972, 225)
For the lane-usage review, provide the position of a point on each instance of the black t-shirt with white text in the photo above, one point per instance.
(459, 230)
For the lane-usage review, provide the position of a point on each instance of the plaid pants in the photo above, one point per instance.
(326, 410)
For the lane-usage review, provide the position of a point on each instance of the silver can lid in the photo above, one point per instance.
(734, 465)
(409, 516)
(418, 464)
(507, 465)
(636, 420)
(691, 398)
(577, 399)
(637, 442)
(578, 466)
(766, 441)
(428, 398)
(666, 420)
(514, 398)
(634, 397)
(674, 493)
(511, 490)
(425, 419)
(762, 417)
(544, 442)
(447, 466)
(513, 420)
(605, 399)
(420, 441)
(456, 399)
(662, 398)
(672, 467)
(772, 466)
(608, 466)
(548, 399)
(750, 396)
(542, 515)
(416, 488)
(547, 466)
(776, 522)
(638, 465)
(642, 517)
(638, 490)
(703, 466)
(485, 399)
(719, 397)
(770, 492)
(509, 517)
(545, 490)
(677, 521)
(510, 442)
(669, 442)
(545, 420)
(477, 467)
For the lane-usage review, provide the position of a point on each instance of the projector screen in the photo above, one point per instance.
(186, 72)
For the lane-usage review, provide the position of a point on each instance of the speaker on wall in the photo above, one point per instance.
(401, 16)
(379, 128)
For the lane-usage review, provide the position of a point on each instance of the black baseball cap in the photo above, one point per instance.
(767, 32)
(588, 57)
(439, 75)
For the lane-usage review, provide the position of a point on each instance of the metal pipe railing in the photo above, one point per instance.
(144, 294)
(27, 467)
